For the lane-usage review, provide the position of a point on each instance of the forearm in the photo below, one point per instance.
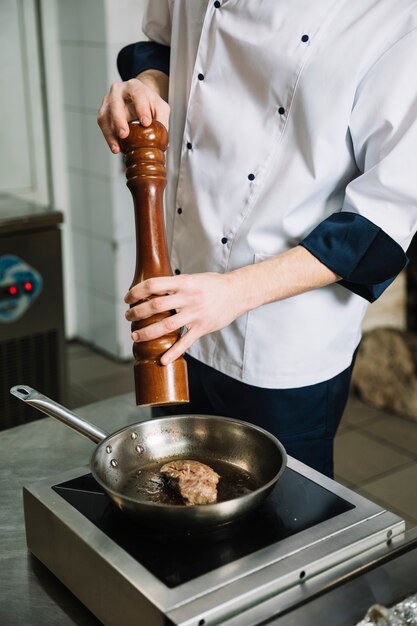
(210, 301)
(288, 274)
(157, 81)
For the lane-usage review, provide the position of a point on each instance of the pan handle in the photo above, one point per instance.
(59, 412)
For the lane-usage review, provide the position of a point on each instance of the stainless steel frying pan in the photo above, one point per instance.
(126, 463)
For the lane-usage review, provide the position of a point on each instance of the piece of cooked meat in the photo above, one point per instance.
(194, 481)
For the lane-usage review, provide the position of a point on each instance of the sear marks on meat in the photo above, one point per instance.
(194, 481)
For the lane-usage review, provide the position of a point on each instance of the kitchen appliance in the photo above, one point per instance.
(308, 532)
(32, 341)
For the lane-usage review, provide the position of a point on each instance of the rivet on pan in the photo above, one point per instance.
(114, 463)
(139, 449)
(108, 449)
(134, 435)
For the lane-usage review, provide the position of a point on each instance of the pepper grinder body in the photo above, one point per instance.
(144, 148)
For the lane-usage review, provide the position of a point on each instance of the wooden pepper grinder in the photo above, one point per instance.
(155, 384)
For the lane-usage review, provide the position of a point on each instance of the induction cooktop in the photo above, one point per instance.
(176, 557)
(127, 573)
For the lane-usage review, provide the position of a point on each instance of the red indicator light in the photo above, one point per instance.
(28, 286)
(12, 290)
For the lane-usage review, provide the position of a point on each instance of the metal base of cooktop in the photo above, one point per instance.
(309, 528)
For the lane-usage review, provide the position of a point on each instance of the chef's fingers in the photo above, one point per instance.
(150, 307)
(142, 99)
(103, 120)
(142, 102)
(126, 101)
(161, 112)
(159, 329)
(129, 100)
(179, 347)
(154, 286)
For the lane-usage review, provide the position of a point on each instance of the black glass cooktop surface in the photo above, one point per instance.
(176, 557)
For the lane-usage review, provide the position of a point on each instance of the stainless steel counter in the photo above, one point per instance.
(29, 593)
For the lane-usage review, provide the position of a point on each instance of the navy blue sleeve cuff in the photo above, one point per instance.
(141, 56)
(366, 258)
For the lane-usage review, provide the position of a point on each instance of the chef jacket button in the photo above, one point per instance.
(281, 110)
(251, 176)
(177, 272)
(189, 145)
(200, 77)
(179, 211)
(224, 239)
(305, 38)
(217, 4)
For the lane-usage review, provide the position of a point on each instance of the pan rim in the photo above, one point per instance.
(197, 507)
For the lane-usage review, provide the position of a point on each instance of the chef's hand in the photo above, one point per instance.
(208, 302)
(203, 303)
(140, 98)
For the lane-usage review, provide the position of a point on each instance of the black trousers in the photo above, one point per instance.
(304, 419)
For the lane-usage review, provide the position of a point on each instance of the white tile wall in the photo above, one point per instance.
(91, 33)
(69, 19)
(102, 267)
(93, 18)
(95, 79)
(112, 73)
(125, 265)
(96, 157)
(71, 60)
(103, 314)
(124, 215)
(74, 136)
(84, 315)
(80, 207)
(82, 20)
(100, 202)
(125, 269)
(82, 257)
(124, 21)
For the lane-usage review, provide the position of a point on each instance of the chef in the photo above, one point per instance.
(292, 195)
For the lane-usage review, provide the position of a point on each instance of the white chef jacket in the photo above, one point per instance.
(285, 114)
